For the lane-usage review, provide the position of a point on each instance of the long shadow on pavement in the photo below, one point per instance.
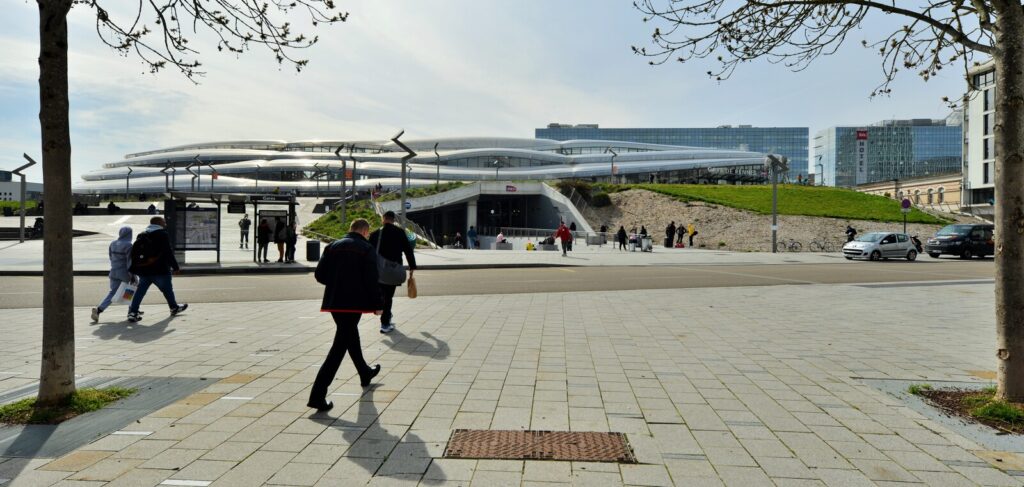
(381, 452)
(134, 332)
(400, 342)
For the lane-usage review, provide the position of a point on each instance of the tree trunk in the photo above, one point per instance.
(1009, 189)
(57, 372)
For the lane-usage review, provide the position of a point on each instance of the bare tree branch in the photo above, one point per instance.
(237, 24)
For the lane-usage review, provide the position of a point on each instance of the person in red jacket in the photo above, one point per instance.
(565, 236)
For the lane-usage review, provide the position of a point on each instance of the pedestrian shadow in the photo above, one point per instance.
(379, 451)
(134, 332)
(400, 342)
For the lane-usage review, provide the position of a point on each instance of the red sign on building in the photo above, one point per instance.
(510, 189)
(862, 135)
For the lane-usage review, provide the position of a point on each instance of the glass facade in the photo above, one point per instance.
(791, 142)
(893, 151)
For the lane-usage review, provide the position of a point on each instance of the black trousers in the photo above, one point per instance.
(346, 339)
(261, 251)
(389, 297)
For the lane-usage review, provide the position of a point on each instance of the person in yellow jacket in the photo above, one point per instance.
(691, 231)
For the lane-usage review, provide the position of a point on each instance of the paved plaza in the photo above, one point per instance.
(730, 386)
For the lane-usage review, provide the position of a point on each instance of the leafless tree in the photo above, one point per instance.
(934, 35)
(160, 33)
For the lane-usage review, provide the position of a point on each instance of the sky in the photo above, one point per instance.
(445, 68)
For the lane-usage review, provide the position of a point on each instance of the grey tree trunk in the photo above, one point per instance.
(1009, 189)
(57, 372)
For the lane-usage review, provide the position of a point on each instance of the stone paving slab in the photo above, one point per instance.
(726, 386)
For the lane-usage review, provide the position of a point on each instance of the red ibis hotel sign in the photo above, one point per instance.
(510, 188)
(862, 156)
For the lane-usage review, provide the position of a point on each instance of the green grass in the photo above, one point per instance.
(917, 389)
(81, 402)
(816, 201)
(421, 192)
(330, 223)
(15, 205)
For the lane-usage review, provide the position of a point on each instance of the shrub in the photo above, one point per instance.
(600, 200)
(566, 186)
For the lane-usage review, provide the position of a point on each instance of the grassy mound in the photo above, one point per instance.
(331, 225)
(421, 192)
(81, 402)
(816, 201)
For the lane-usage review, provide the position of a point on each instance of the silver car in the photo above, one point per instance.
(880, 245)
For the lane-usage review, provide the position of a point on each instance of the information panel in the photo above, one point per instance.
(197, 229)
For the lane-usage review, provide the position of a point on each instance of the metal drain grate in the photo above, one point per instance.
(540, 445)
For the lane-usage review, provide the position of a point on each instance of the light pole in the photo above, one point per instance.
(257, 178)
(775, 164)
(344, 186)
(31, 162)
(611, 173)
(405, 161)
(437, 162)
(127, 183)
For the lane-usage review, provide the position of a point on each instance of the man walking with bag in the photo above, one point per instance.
(120, 253)
(391, 243)
(348, 270)
(153, 261)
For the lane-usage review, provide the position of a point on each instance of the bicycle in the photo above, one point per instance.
(789, 245)
(824, 245)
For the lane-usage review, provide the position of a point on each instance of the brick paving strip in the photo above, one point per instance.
(726, 386)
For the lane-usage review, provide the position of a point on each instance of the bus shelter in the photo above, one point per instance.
(194, 219)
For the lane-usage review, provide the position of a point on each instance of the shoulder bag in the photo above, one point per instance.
(389, 272)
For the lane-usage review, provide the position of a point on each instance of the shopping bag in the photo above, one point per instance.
(411, 288)
(125, 293)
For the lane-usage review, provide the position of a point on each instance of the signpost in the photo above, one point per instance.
(905, 208)
(31, 162)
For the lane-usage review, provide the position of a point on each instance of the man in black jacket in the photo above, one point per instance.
(348, 270)
(393, 245)
(153, 261)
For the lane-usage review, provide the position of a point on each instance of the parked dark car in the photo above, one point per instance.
(963, 240)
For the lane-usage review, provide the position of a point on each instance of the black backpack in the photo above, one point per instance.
(144, 252)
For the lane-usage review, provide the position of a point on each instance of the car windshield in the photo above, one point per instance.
(955, 230)
(871, 237)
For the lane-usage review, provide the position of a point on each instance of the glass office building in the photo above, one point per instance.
(791, 142)
(891, 149)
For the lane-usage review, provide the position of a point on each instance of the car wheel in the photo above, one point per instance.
(966, 254)
(912, 255)
(933, 255)
(876, 255)
(849, 258)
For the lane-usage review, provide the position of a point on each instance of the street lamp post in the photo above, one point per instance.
(775, 164)
(127, 182)
(405, 161)
(437, 163)
(31, 162)
(344, 185)
(611, 173)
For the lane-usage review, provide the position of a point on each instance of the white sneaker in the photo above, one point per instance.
(388, 328)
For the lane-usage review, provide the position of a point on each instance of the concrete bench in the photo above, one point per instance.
(596, 240)
(547, 247)
(502, 246)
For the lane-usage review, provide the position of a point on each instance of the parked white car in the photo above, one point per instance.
(880, 245)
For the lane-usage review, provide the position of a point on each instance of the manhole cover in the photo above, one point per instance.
(540, 445)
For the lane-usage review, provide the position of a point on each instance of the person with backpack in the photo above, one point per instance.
(391, 243)
(153, 261)
(348, 271)
(120, 254)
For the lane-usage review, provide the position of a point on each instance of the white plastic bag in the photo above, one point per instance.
(125, 293)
